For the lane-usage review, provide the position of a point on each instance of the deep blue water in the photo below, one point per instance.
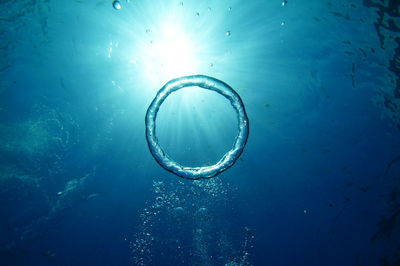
(318, 182)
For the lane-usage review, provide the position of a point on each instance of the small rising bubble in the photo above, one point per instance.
(117, 4)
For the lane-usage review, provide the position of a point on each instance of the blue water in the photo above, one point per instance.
(316, 184)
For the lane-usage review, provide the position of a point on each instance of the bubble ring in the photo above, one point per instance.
(228, 159)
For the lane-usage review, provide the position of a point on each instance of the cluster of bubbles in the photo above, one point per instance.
(45, 133)
(184, 219)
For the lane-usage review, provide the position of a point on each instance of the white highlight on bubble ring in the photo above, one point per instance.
(228, 159)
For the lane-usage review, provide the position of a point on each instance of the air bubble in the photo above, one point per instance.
(228, 159)
(117, 5)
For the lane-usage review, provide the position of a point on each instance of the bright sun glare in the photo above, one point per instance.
(170, 55)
